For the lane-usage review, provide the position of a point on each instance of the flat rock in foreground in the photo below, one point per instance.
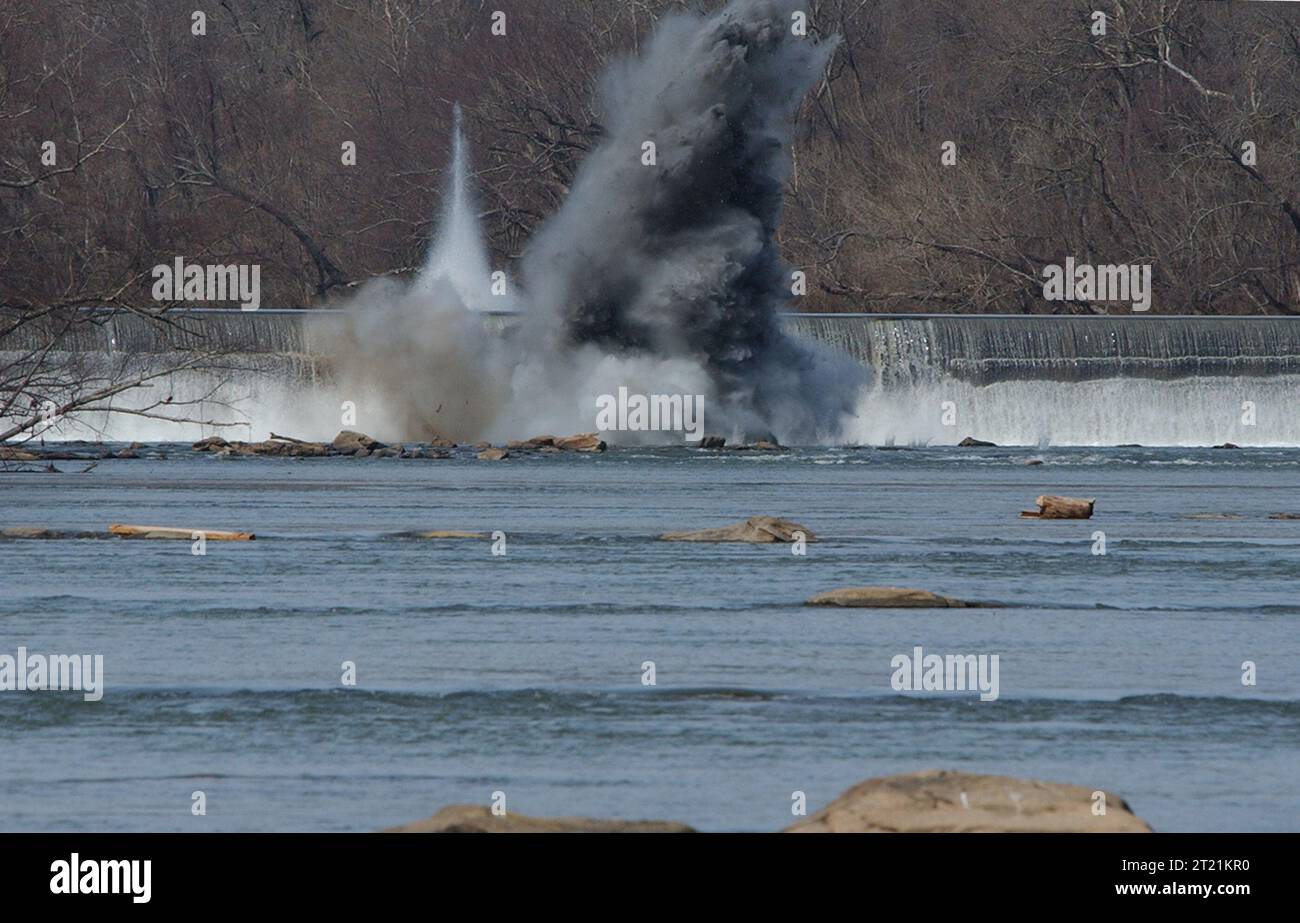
(938, 801)
(759, 530)
(477, 818)
(886, 597)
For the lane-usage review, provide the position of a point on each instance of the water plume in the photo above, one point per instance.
(659, 273)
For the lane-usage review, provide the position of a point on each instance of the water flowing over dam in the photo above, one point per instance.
(1014, 380)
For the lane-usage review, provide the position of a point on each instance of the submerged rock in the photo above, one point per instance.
(474, 818)
(756, 530)
(886, 597)
(39, 533)
(1284, 516)
(939, 801)
(451, 533)
(8, 453)
(763, 445)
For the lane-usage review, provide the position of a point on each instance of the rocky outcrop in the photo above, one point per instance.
(8, 453)
(584, 442)
(474, 818)
(758, 530)
(938, 801)
(886, 597)
(348, 442)
(1050, 507)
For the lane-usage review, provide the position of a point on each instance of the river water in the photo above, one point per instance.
(524, 672)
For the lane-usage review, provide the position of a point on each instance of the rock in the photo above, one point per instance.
(1284, 516)
(39, 533)
(970, 442)
(1033, 461)
(387, 451)
(1228, 445)
(430, 453)
(361, 453)
(756, 530)
(550, 450)
(713, 442)
(885, 597)
(347, 442)
(474, 818)
(207, 445)
(167, 533)
(537, 442)
(939, 801)
(1215, 516)
(762, 445)
(493, 455)
(8, 453)
(271, 447)
(309, 450)
(1050, 507)
(125, 453)
(480, 446)
(452, 534)
(441, 443)
(583, 442)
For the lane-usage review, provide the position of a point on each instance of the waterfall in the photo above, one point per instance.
(1024, 380)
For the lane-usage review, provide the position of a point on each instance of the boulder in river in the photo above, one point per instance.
(970, 442)
(713, 442)
(40, 533)
(537, 442)
(9, 453)
(490, 454)
(886, 597)
(476, 818)
(1050, 507)
(348, 442)
(939, 801)
(760, 530)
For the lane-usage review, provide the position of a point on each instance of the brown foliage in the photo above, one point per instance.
(227, 147)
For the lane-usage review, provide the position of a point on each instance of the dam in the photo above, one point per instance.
(1011, 379)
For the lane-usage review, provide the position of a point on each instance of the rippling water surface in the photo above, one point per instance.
(523, 672)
